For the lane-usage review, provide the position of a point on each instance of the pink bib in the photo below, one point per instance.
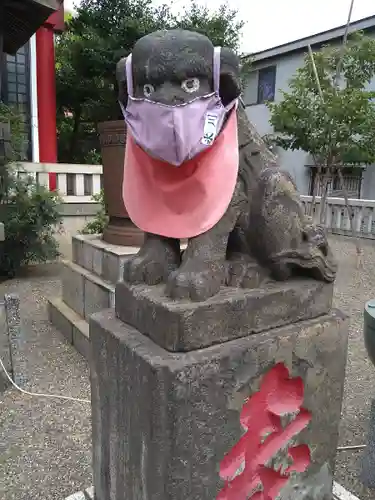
(186, 201)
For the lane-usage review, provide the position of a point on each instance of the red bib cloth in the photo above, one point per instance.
(185, 201)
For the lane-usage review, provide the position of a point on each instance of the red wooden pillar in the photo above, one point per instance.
(46, 89)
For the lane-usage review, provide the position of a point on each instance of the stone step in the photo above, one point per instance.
(83, 495)
(99, 257)
(85, 292)
(72, 326)
(340, 493)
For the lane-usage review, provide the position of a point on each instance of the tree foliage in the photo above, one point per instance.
(30, 213)
(336, 125)
(96, 38)
(98, 224)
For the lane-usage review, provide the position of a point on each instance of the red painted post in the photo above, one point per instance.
(46, 89)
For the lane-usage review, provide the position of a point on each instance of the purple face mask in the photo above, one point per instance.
(177, 133)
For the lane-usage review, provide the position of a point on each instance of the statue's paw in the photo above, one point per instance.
(195, 285)
(244, 272)
(145, 269)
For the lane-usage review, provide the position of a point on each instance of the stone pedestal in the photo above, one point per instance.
(88, 286)
(10, 325)
(368, 459)
(164, 421)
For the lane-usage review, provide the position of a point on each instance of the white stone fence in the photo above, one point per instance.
(337, 217)
(78, 183)
(75, 183)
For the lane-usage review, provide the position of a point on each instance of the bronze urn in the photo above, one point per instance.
(369, 329)
(120, 229)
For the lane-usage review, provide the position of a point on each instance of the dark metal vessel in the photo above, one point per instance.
(369, 329)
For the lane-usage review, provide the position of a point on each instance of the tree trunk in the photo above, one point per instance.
(317, 180)
(74, 138)
(351, 218)
(323, 200)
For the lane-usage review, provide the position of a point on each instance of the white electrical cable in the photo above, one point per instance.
(68, 398)
(40, 395)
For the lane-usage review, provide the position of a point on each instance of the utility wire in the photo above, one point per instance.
(37, 394)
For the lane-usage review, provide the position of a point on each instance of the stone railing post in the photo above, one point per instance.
(9, 338)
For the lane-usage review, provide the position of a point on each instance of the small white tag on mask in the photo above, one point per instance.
(210, 129)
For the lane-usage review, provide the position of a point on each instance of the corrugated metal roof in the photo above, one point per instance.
(20, 19)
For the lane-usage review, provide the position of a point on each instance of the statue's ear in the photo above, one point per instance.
(121, 81)
(230, 81)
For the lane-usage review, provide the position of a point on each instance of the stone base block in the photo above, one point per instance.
(100, 257)
(10, 328)
(163, 422)
(184, 325)
(88, 286)
(71, 325)
(5, 350)
(84, 292)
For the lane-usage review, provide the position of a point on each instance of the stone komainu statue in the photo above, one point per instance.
(197, 170)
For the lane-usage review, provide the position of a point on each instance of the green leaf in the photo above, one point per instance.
(96, 38)
(336, 127)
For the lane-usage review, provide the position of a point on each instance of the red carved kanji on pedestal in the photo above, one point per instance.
(261, 416)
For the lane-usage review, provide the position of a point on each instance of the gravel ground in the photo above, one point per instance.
(353, 288)
(45, 449)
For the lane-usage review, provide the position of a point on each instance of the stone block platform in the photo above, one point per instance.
(231, 314)
(88, 286)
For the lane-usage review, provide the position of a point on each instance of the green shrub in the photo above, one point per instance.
(30, 213)
(97, 225)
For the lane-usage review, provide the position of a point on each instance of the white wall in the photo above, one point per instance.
(71, 226)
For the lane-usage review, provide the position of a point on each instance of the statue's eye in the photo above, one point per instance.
(148, 90)
(190, 85)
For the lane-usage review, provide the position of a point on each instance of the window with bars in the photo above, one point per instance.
(15, 89)
(261, 86)
(352, 177)
(266, 84)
